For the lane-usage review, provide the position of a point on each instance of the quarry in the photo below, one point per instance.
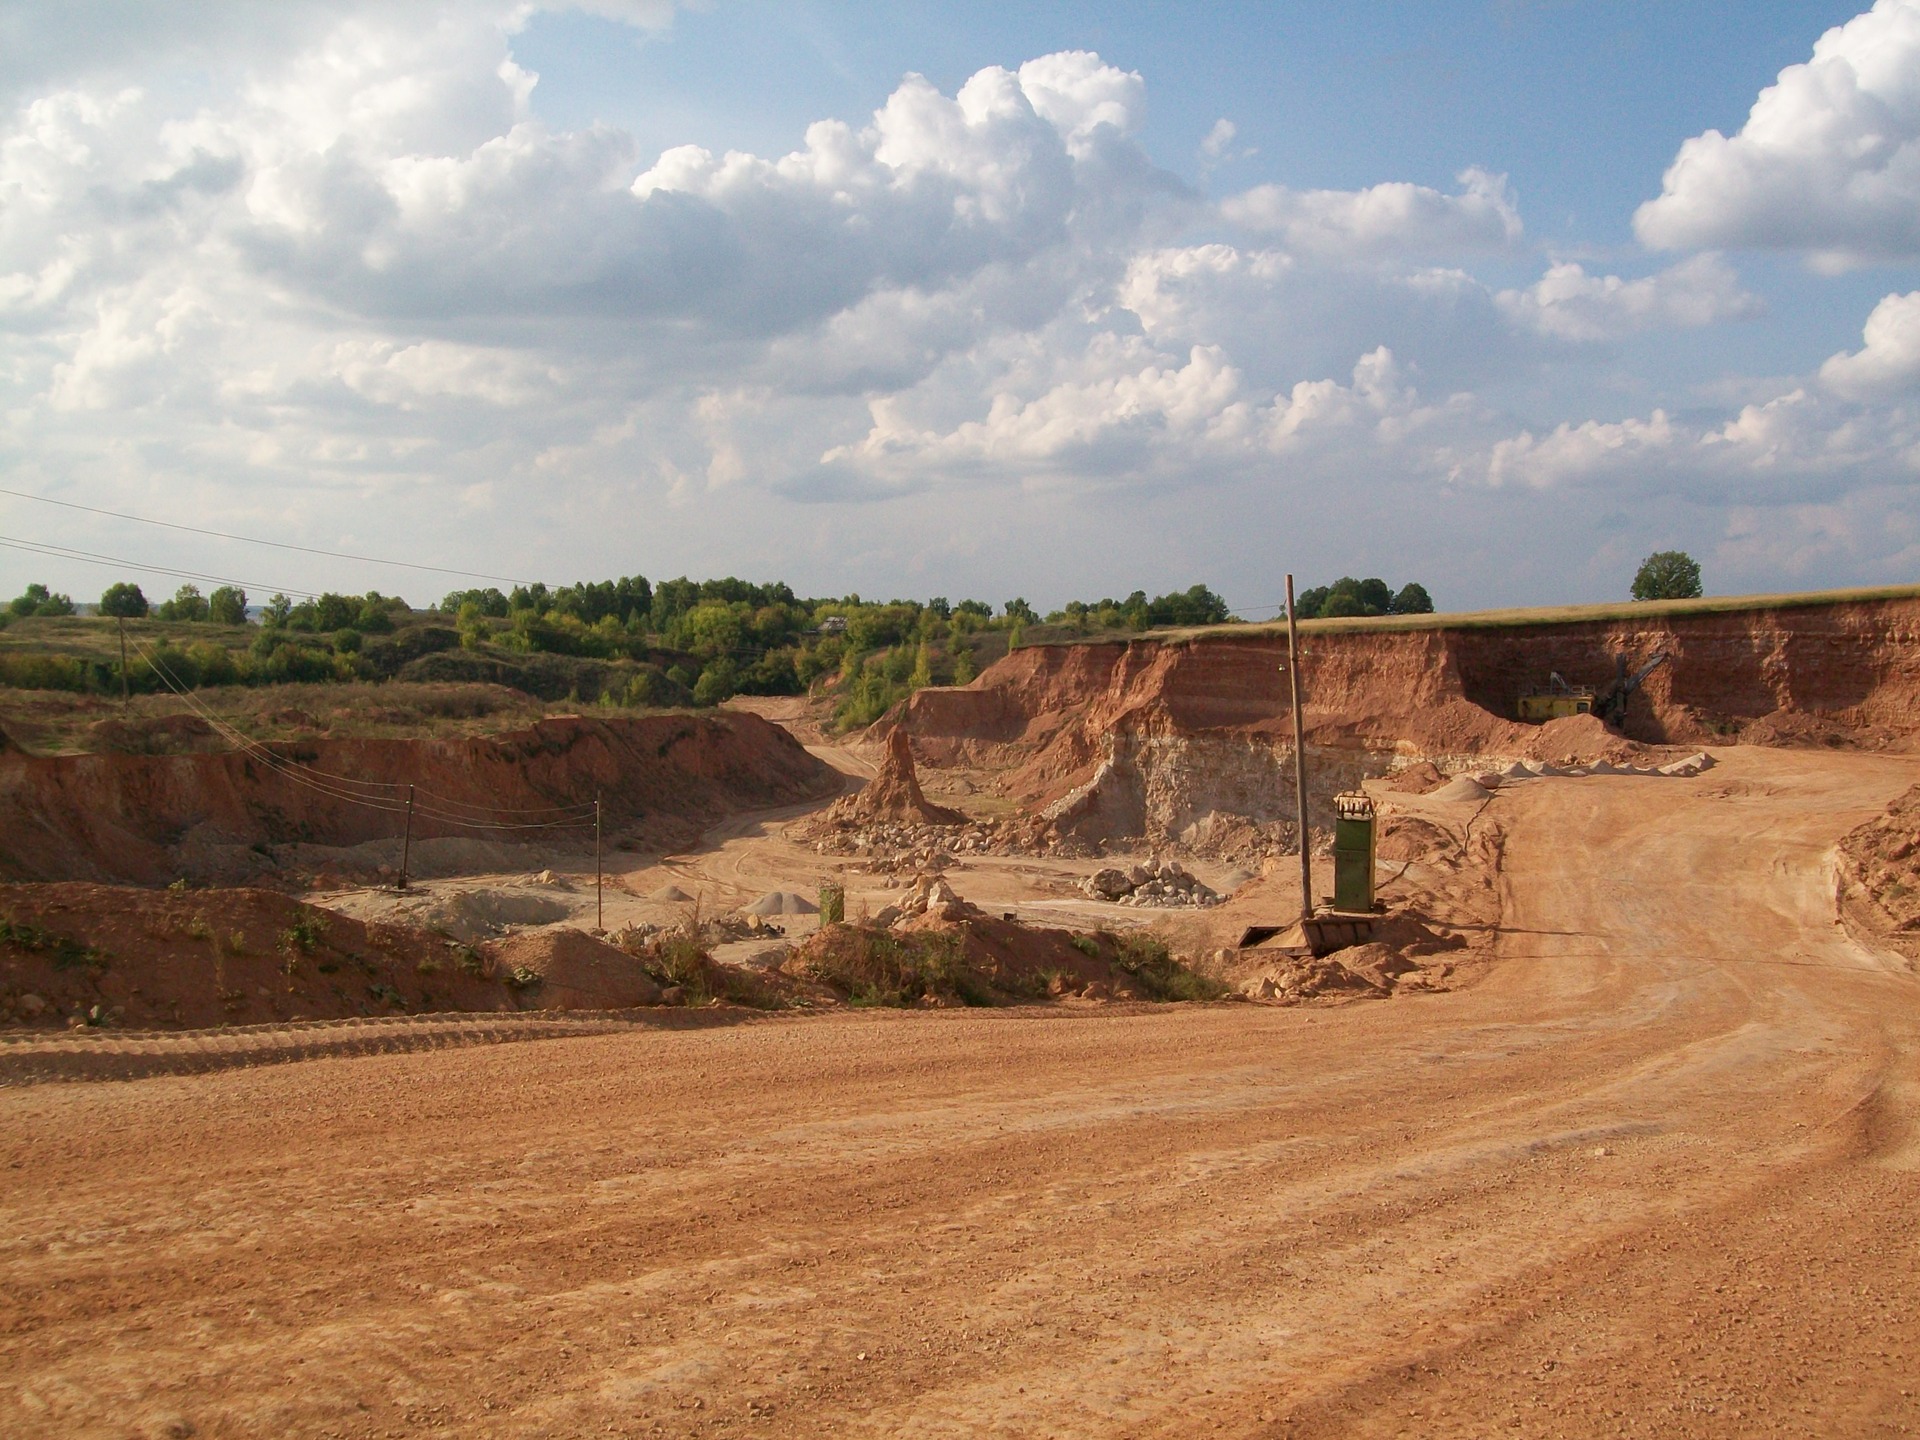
(714, 1071)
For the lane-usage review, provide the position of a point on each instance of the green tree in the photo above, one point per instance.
(227, 606)
(123, 601)
(277, 612)
(717, 682)
(38, 600)
(1668, 575)
(1412, 600)
(187, 604)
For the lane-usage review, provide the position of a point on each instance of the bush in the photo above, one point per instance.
(1668, 575)
(1159, 976)
(879, 967)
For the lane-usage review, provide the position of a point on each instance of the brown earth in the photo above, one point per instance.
(286, 811)
(139, 959)
(1657, 1172)
(893, 794)
(1187, 740)
(1878, 877)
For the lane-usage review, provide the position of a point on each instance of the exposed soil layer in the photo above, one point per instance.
(893, 794)
(1878, 879)
(1187, 739)
(242, 817)
(125, 958)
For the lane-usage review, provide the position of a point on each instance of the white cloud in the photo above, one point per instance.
(1889, 360)
(1828, 162)
(355, 274)
(1570, 304)
(1393, 218)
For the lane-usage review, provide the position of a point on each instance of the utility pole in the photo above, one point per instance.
(1299, 760)
(599, 907)
(126, 691)
(406, 845)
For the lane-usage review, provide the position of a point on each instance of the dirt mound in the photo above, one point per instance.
(225, 817)
(1879, 878)
(781, 902)
(160, 735)
(1463, 788)
(147, 959)
(893, 794)
(475, 915)
(1583, 740)
(670, 895)
(1417, 779)
(951, 953)
(568, 969)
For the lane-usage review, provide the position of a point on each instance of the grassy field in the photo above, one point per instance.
(54, 722)
(1544, 615)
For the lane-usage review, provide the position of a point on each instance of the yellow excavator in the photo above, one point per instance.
(1559, 698)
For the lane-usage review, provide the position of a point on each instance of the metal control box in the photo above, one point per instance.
(1354, 844)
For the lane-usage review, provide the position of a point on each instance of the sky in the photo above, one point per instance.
(912, 299)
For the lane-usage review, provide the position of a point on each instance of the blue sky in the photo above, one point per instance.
(1113, 296)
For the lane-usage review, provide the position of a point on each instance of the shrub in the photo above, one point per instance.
(879, 967)
(1155, 971)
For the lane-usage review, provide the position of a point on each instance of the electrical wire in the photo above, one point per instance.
(276, 544)
(90, 557)
(331, 785)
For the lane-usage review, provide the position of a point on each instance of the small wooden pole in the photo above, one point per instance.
(599, 907)
(406, 845)
(1299, 760)
(126, 690)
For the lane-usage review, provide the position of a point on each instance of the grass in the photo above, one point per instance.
(1154, 970)
(65, 952)
(879, 968)
(304, 934)
(1551, 614)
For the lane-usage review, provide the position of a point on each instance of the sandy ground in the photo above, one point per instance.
(1654, 1174)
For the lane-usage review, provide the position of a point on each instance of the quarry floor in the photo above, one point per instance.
(1657, 1171)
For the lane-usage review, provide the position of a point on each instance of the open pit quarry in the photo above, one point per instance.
(1612, 1129)
(1187, 741)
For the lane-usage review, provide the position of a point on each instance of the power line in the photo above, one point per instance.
(90, 557)
(334, 786)
(251, 540)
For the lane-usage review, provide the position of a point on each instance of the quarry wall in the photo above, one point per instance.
(1172, 737)
(148, 819)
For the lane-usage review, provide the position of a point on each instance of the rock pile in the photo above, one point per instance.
(931, 896)
(1157, 883)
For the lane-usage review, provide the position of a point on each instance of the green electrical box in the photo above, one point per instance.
(1353, 853)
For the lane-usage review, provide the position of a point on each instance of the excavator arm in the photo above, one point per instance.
(1611, 704)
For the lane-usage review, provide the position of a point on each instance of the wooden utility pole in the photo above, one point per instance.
(406, 844)
(599, 908)
(1299, 761)
(126, 690)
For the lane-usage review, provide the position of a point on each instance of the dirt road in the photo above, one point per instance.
(1655, 1174)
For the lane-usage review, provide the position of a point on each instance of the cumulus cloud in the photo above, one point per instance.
(1570, 304)
(1889, 360)
(1828, 162)
(1391, 218)
(356, 274)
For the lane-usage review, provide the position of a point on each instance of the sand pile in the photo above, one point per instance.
(570, 970)
(893, 794)
(781, 902)
(669, 895)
